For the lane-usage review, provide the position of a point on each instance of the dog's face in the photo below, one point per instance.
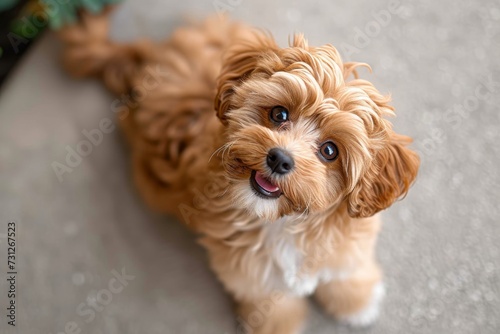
(303, 139)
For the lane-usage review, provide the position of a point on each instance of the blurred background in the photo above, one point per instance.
(440, 247)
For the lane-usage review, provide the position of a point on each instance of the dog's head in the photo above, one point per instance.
(302, 138)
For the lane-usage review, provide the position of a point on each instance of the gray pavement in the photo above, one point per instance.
(440, 247)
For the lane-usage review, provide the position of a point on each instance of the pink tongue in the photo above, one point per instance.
(264, 183)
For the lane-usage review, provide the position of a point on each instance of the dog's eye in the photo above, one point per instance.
(329, 151)
(279, 114)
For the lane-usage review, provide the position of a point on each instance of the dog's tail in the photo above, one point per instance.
(88, 52)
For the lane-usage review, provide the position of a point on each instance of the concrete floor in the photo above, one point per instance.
(440, 247)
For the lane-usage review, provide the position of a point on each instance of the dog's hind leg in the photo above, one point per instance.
(88, 52)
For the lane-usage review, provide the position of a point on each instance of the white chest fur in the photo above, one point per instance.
(288, 262)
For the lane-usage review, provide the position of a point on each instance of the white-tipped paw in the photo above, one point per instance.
(370, 313)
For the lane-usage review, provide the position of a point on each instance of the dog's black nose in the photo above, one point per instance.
(279, 160)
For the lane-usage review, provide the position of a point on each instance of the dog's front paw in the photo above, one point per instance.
(369, 314)
(282, 315)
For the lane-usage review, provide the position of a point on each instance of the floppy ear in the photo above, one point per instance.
(389, 178)
(239, 61)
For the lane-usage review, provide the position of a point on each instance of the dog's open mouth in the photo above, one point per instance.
(263, 187)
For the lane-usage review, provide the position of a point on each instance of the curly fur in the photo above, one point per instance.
(197, 135)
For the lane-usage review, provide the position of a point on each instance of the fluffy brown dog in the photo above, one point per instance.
(282, 176)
